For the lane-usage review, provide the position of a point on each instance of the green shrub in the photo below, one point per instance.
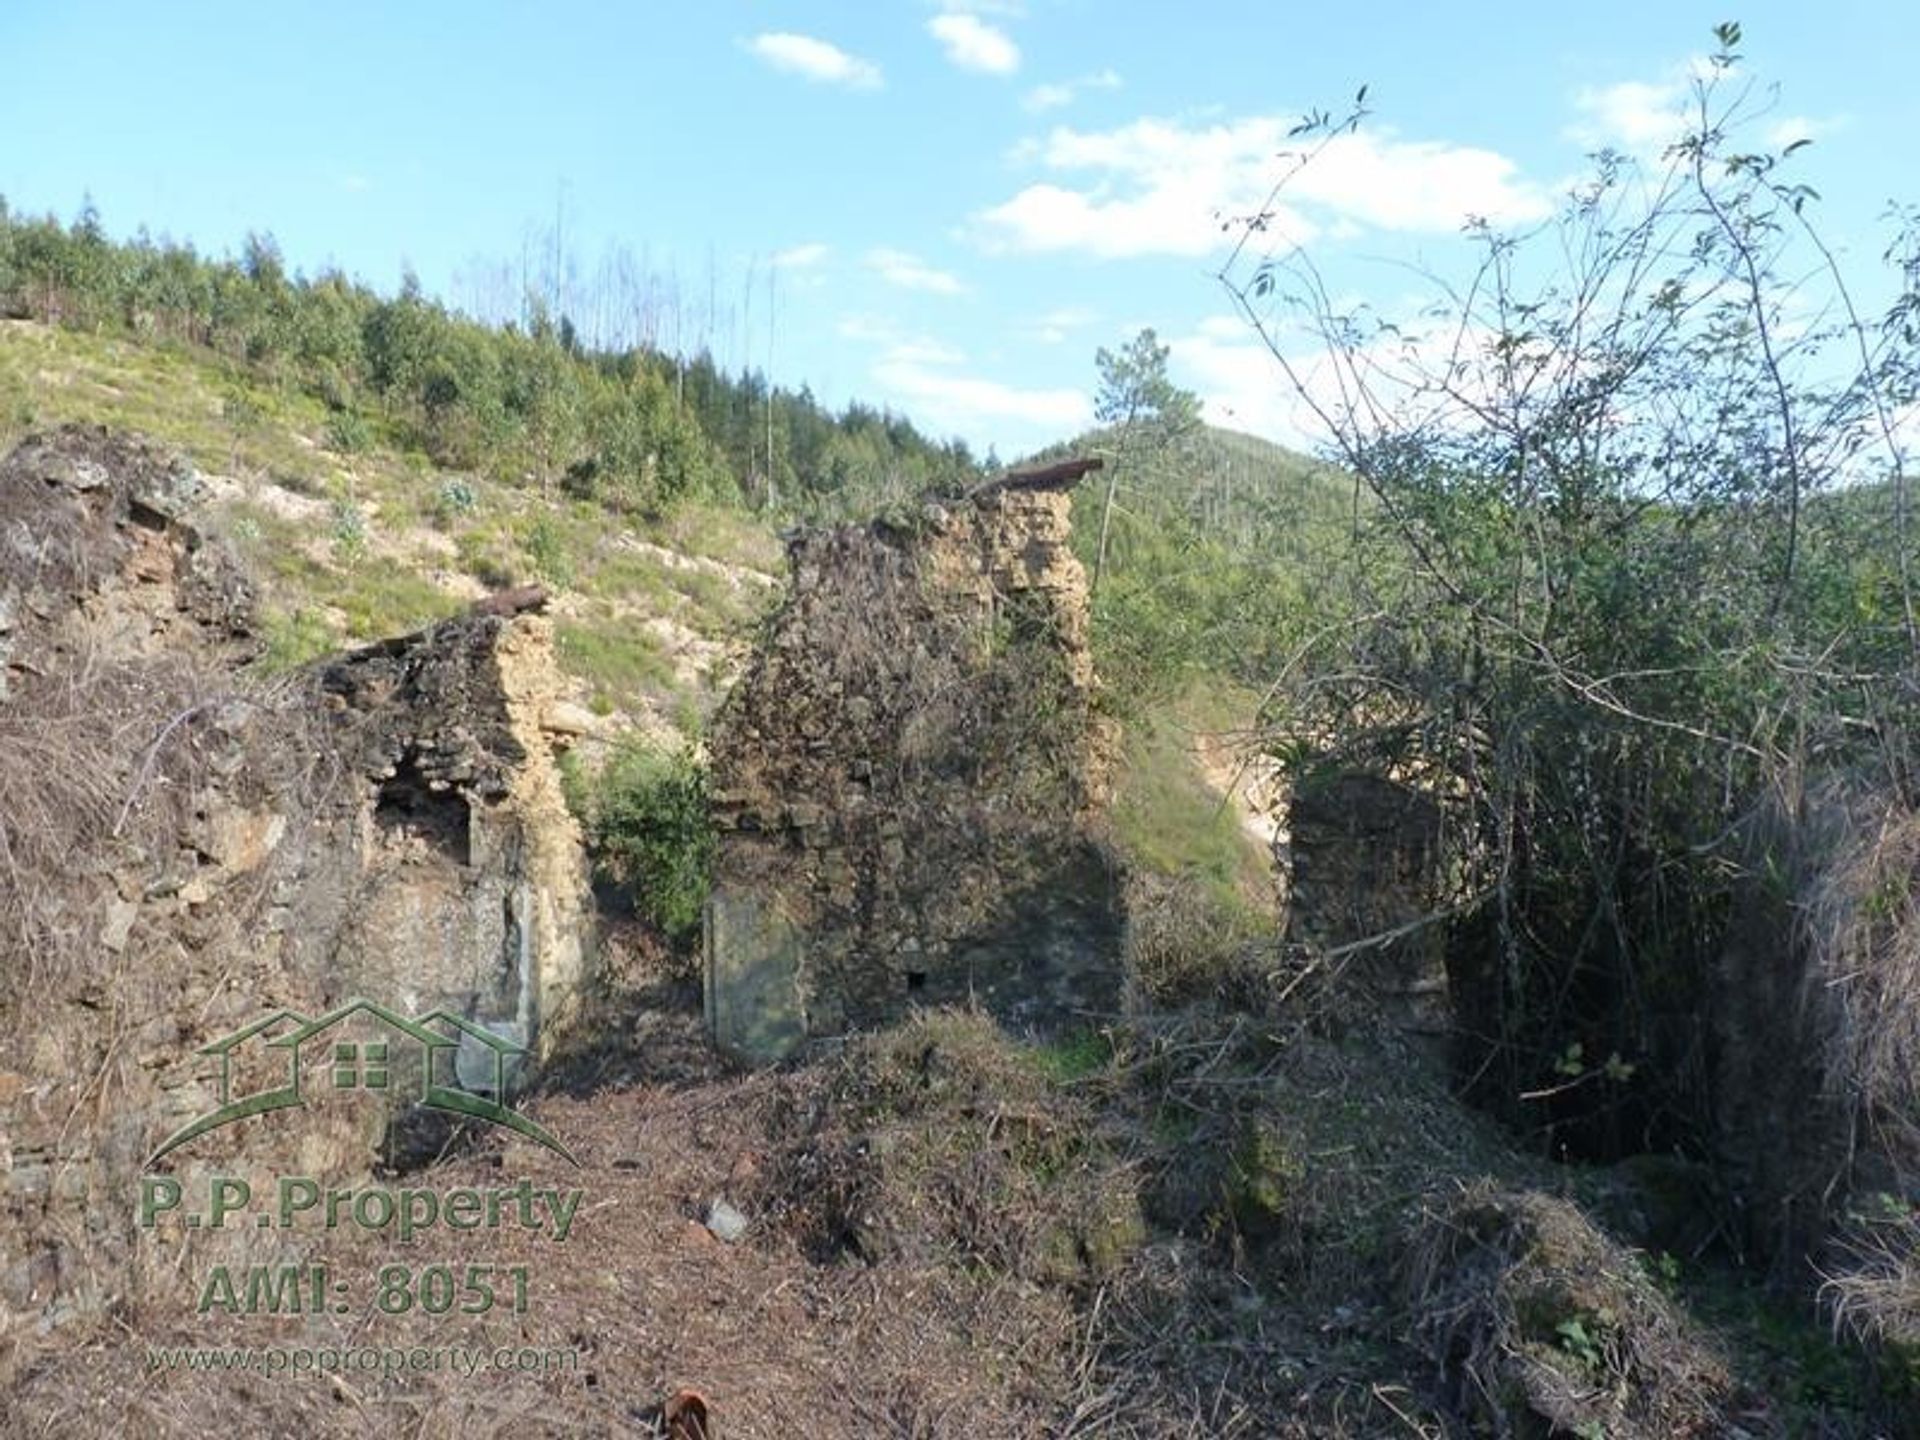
(626, 662)
(294, 639)
(349, 532)
(382, 600)
(241, 411)
(545, 544)
(487, 555)
(455, 498)
(646, 819)
(348, 433)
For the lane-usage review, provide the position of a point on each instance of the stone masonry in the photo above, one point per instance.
(909, 781)
(1366, 863)
(192, 845)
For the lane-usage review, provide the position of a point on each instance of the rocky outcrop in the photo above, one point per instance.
(95, 557)
(910, 778)
(186, 845)
(454, 863)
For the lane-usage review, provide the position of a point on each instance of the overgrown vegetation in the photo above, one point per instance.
(1624, 581)
(1639, 559)
(943, 1140)
(645, 814)
(1221, 550)
(1634, 597)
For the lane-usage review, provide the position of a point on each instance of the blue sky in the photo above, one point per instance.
(956, 202)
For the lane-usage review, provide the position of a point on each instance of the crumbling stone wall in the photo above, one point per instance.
(909, 781)
(1366, 871)
(188, 845)
(457, 871)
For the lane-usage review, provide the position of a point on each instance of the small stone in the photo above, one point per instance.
(80, 474)
(724, 1221)
(563, 717)
(119, 925)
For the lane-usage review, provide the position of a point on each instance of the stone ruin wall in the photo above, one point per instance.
(387, 823)
(1364, 867)
(909, 783)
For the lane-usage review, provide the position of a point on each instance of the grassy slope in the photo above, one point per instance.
(1282, 511)
(353, 538)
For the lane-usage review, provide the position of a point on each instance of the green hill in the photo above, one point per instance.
(1217, 551)
(352, 538)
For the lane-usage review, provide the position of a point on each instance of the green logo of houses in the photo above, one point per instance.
(365, 1065)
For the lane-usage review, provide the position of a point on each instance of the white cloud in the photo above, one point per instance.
(1070, 317)
(1638, 117)
(1057, 326)
(922, 352)
(801, 257)
(1174, 219)
(1049, 97)
(897, 344)
(922, 376)
(1418, 184)
(1167, 187)
(973, 44)
(969, 405)
(1060, 93)
(1783, 133)
(1241, 386)
(867, 328)
(1389, 379)
(909, 272)
(1646, 118)
(815, 59)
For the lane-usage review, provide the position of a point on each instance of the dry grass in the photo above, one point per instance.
(1874, 1291)
(1862, 930)
(111, 762)
(944, 1240)
(1855, 878)
(1539, 1324)
(932, 1251)
(782, 1340)
(1185, 943)
(120, 709)
(942, 1141)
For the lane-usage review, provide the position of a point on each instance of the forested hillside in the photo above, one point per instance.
(525, 402)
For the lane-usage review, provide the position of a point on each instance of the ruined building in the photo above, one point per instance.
(1365, 885)
(909, 781)
(189, 845)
